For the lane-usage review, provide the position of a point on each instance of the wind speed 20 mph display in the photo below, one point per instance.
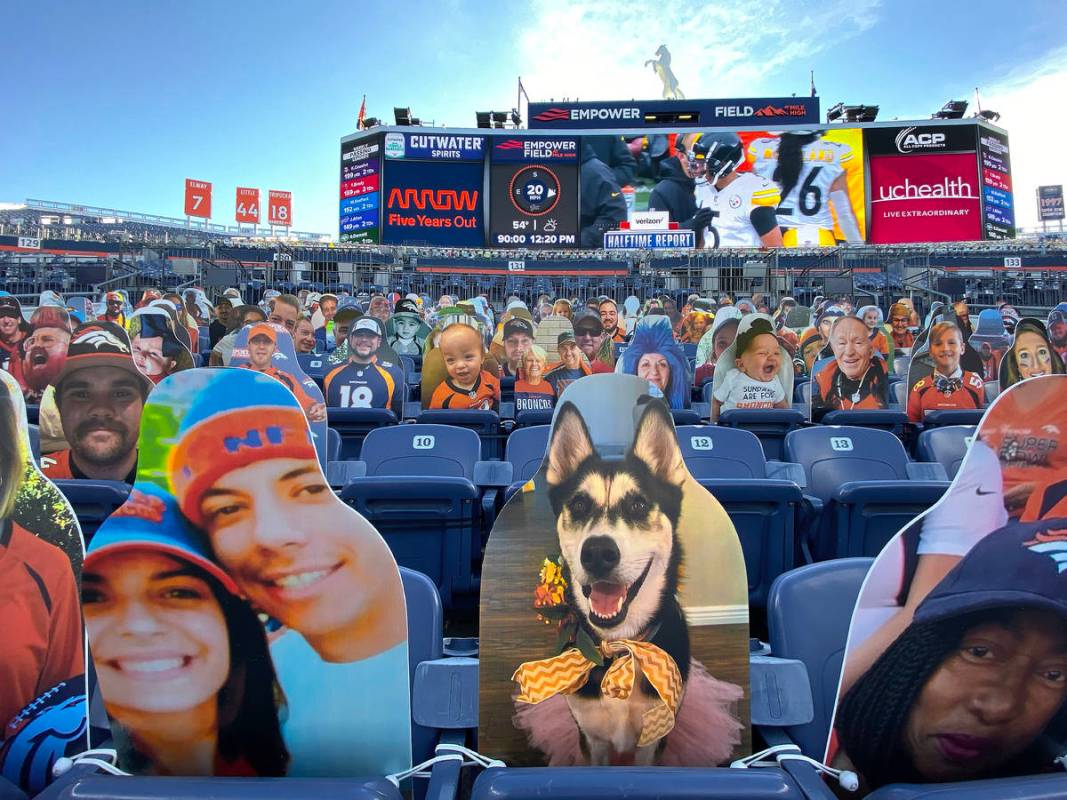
(534, 193)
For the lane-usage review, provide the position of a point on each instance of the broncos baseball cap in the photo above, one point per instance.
(50, 317)
(263, 329)
(406, 306)
(1019, 565)
(518, 325)
(150, 520)
(829, 312)
(566, 336)
(100, 344)
(369, 325)
(114, 297)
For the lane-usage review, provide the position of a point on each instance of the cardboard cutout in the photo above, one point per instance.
(43, 694)
(366, 379)
(937, 379)
(1057, 329)
(157, 350)
(970, 360)
(707, 350)
(991, 342)
(268, 348)
(90, 419)
(80, 310)
(855, 377)
(13, 329)
(514, 339)
(764, 378)
(1031, 355)
(654, 356)
(955, 658)
(548, 333)
(40, 355)
(231, 521)
(340, 354)
(614, 616)
(457, 371)
(406, 333)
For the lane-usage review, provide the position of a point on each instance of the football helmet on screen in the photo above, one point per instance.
(720, 152)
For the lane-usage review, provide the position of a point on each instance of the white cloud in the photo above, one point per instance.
(597, 50)
(1030, 102)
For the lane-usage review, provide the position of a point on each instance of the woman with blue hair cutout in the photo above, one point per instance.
(655, 356)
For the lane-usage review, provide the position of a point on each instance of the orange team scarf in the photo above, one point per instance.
(568, 672)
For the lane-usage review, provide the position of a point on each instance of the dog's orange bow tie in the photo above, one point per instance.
(568, 672)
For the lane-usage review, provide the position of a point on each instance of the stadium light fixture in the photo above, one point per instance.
(953, 109)
(371, 122)
(988, 115)
(499, 118)
(402, 116)
(485, 118)
(856, 113)
(516, 118)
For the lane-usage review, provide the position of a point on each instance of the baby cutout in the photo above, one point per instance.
(467, 385)
(157, 350)
(755, 370)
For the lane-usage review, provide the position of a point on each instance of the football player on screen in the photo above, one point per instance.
(810, 171)
(742, 204)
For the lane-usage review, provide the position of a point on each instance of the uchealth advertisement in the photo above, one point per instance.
(435, 203)
(820, 176)
(925, 198)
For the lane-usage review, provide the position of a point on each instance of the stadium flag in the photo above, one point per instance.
(197, 198)
(247, 209)
(280, 211)
(813, 83)
(362, 113)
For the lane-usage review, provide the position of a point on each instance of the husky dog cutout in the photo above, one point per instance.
(614, 523)
(617, 524)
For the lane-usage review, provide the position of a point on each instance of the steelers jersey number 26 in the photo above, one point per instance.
(809, 197)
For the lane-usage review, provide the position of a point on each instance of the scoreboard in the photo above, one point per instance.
(534, 192)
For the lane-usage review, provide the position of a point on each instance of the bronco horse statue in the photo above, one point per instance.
(663, 70)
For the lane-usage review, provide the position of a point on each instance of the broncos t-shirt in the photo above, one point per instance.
(739, 390)
(61, 466)
(41, 610)
(484, 395)
(534, 397)
(376, 385)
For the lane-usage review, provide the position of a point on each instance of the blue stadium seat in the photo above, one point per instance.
(770, 425)
(858, 478)
(647, 783)
(93, 501)
(953, 416)
(34, 433)
(333, 445)
(525, 450)
(484, 423)
(1030, 787)
(88, 786)
(33, 413)
(419, 492)
(314, 366)
(729, 463)
(890, 419)
(809, 610)
(946, 445)
(534, 418)
(353, 425)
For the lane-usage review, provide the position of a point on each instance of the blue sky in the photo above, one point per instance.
(116, 103)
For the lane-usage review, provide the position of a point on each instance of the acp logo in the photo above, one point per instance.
(907, 140)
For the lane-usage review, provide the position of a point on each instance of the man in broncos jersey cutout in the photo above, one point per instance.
(365, 382)
(742, 204)
(262, 345)
(948, 386)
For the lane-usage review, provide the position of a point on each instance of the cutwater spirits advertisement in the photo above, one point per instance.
(360, 191)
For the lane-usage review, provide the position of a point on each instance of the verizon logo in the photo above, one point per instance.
(436, 199)
(954, 188)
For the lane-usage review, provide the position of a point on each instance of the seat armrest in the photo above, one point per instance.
(781, 692)
(498, 474)
(910, 491)
(339, 473)
(926, 471)
(445, 694)
(787, 471)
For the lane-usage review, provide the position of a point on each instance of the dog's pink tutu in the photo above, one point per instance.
(705, 732)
